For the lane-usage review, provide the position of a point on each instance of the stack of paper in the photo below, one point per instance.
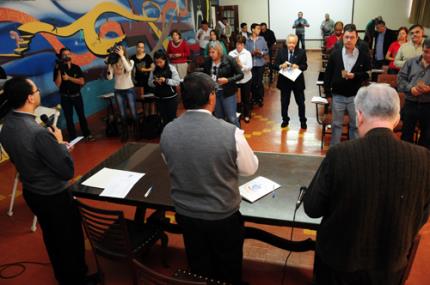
(116, 183)
(257, 188)
(290, 73)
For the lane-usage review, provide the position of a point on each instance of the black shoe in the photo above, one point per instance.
(284, 124)
(303, 126)
(92, 279)
(247, 119)
(260, 103)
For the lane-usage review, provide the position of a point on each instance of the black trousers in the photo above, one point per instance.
(413, 113)
(299, 96)
(245, 98)
(301, 39)
(325, 275)
(257, 83)
(67, 104)
(167, 109)
(60, 221)
(214, 248)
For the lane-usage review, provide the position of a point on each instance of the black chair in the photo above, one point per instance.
(116, 238)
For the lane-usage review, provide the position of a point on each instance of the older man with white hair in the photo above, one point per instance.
(373, 195)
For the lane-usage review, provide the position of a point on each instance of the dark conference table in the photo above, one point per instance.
(290, 171)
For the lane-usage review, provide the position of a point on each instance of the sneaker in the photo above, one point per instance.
(303, 126)
(90, 138)
(247, 119)
(284, 124)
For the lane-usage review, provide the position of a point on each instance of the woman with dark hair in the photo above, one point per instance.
(164, 79)
(225, 71)
(402, 38)
(124, 89)
(178, 52)
(213, 38)
(143, 65)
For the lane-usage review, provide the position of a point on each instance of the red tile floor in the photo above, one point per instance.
(263, 264)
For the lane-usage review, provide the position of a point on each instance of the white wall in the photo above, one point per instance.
(250, 11)
(394, 12)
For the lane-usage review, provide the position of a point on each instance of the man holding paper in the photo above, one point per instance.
(44, 164)
(291, 61)
(204, 156)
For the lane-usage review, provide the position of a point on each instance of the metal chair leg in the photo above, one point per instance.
(34, 224)
(12, 198)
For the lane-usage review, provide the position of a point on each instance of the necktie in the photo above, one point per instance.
(290, 56)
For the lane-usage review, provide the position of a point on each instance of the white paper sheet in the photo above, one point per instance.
(121, 184)
(290, 73)
(257, 188)
(106, 176)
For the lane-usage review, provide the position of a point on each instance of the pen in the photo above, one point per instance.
(148, 192)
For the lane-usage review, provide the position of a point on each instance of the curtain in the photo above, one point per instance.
(420, 12)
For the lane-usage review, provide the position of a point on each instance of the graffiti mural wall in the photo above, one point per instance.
(32, 32)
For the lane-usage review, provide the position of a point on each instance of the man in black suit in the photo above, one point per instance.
(345, 73)
(292, 57)
(383, 39)
(373, 195)
(270, 38)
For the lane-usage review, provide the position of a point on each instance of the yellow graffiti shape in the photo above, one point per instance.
(87, 24)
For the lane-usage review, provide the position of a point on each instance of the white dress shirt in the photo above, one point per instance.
(247, 161)
(349, 60)
(204, 37)
(245, 58)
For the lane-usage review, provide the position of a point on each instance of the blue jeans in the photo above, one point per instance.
(339, 105)
(225, 108)
(121, 97)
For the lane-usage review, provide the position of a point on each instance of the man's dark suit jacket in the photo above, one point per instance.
(299, 58)
(373, 194)
(389, 37)
(334, 83)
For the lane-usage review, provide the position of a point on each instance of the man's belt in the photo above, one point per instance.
(73, 95)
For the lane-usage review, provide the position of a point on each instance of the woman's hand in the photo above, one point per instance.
(222, 80)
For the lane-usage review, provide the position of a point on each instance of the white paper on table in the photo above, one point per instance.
(104, 176)
(290, 73)
(121, 184)
(257, 188)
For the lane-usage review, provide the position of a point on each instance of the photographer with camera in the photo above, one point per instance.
(164, 79)
(120, 69)
(69, 79)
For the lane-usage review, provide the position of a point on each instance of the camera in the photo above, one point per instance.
(113, 57)
(61, 63)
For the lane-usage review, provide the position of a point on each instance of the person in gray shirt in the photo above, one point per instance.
(300, 24)
(414, 80)
(205, 156)
(44, 164)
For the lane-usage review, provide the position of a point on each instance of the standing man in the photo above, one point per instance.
(327, 26)
(412, 48)
(203, 36)
(44, 164)
(290, 56)
(300, 24)
(70, 79)
(414, 80)
(244, 30)
(257, 46)
(373, 195)
(270, 38)
(345, 73)
(383, 39)
(205, 156)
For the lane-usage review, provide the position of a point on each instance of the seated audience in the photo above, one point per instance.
(225, 72)
(164, 79)
(205, 156)
(373, 195)
(402, 38)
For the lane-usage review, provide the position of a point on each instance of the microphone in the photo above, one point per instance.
(47, 121)
(301, 196)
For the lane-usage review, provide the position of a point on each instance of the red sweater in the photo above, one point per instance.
(181, 49)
